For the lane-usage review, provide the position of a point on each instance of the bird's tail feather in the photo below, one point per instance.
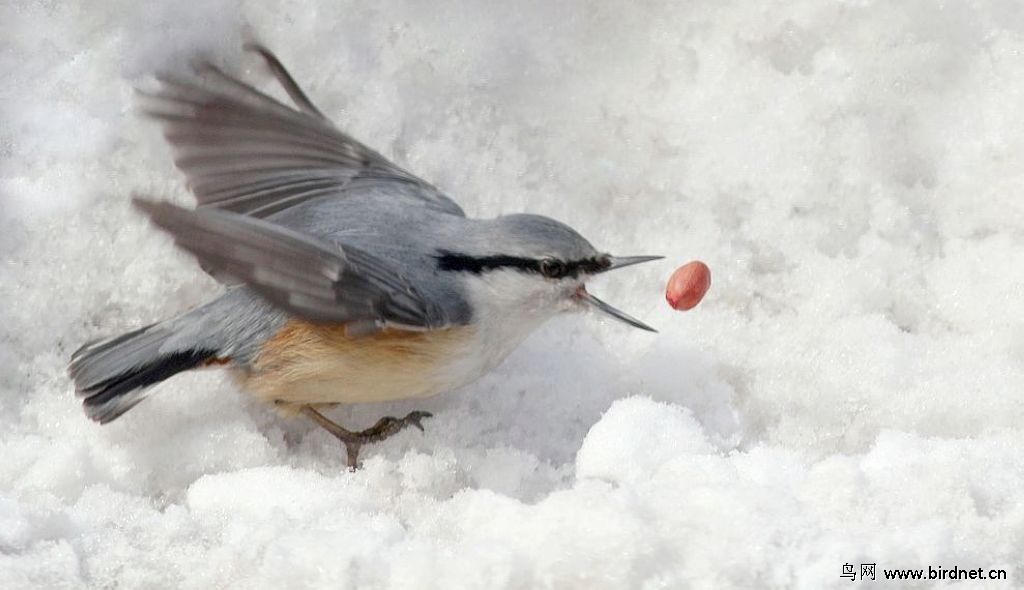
(112, 376)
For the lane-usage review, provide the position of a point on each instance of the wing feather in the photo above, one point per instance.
(246, 152)
(315, 280)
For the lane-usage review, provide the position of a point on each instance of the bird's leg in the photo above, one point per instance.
(353, 441)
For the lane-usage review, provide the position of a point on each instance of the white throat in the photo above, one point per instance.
(502, 319)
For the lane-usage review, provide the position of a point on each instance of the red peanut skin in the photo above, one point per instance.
(688, 285)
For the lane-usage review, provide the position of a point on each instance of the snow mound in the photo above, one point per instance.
(849, 391)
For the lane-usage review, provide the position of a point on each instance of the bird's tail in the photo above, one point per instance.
(112, 376)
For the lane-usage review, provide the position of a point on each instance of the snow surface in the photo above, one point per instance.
(849, 392)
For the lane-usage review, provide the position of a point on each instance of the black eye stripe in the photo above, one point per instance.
(456, 262)
(591, 265)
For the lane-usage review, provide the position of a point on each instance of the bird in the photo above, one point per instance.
(347, 279)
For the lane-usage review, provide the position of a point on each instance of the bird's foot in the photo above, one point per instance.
(389, 425)
(354, 440)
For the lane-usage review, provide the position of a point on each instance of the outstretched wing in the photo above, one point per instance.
(247, 153)
(312, 279)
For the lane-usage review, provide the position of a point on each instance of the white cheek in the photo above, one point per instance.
(516, 293)
(507, 307)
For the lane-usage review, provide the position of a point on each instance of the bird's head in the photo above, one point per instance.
(537, 267)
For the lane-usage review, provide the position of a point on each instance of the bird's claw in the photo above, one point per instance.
(390, 425)
(354, 441)
(416, 419)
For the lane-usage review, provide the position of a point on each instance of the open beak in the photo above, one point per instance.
(623, 261)
(617, 262)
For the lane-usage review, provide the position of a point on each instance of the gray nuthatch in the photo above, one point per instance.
(349, 279)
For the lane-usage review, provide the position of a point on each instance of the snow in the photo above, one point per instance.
(848, 392)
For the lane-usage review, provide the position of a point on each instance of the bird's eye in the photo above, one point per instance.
(552, 269)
